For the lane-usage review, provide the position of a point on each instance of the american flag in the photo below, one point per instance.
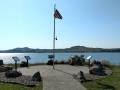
(57, 14)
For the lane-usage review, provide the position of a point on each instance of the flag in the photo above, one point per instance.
(57, 14)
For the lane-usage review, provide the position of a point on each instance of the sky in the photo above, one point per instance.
(30, 23)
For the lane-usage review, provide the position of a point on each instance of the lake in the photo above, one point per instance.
(43, 57)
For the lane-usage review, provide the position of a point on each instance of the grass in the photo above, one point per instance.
(111, 82)
(4, 86)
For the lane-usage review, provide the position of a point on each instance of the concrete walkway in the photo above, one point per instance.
(60, 78)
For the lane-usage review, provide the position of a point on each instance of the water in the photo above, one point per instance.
(43, 57)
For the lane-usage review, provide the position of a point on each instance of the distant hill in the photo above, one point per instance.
(71, 49)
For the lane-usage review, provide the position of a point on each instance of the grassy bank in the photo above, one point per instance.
(107, 83)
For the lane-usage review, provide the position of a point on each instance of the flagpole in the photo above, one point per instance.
(54, 39)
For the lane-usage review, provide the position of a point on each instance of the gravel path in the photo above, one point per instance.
(60, 78)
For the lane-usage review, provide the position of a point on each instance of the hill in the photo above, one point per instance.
(71, 49)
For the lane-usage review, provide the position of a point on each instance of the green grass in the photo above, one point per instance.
(111, 82)
(4, 86)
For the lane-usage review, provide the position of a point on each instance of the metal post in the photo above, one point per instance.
(89, 63)
(54, 39)
(27, 62)
(15, 65)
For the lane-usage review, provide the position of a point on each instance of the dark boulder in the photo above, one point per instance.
(96, 68)
(36, 76)
(1, 62)
(96, 63)
(23, 64)
(50, 62)
(80, 75)
(78, 62)
(13, 73)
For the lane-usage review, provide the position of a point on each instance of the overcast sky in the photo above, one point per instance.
(30, 23)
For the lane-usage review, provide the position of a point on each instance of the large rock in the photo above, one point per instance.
(80, 75)
(94, 63)
(72, 63)
(13, 73)
(50, 62)
(76, 60)
(23, 64)
(36, 76)
(4, 68)
(96, 68)
(1, 62)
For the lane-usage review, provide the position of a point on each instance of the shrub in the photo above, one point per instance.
(85, 63)
(56, 62)
(69, 60)
(105, 63)
(62, 62)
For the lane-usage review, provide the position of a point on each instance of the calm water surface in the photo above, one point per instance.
(43, 57)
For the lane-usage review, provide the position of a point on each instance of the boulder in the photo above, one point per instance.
(4, 68)
(94, 63)
(72, 63)
(36, 76)
(50, 62)
(23, 64)
(1, 62)
(96, 68)
(13, 73)
(80, 75)
(78, 61)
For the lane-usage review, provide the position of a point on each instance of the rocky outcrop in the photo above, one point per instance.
(76, 60)
(23, 64)
(13, 73)
(1, 62)
(36, 76)
(4, 68)
(50, 62)
(80, 75)
(96, 68)
(22, 80)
